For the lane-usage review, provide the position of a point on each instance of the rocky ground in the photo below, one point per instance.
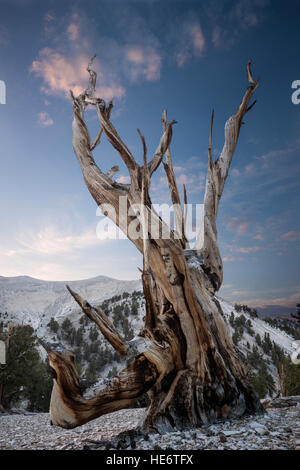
(277, 429)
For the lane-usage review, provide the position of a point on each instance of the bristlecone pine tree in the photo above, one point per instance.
(183, 357)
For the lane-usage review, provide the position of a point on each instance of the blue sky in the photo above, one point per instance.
(188, 57)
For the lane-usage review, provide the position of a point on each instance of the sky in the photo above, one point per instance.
(188, 57)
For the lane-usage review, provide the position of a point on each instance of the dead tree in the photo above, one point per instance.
(183, 357)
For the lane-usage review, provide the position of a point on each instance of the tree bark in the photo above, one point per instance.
(183, 357)
(281, 402)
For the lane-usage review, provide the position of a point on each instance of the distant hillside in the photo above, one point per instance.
(33, 301)
(54, 315)
(275, 311)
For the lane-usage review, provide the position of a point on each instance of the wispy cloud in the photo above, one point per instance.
(235, 172)
(183, 178)
(44, 119)
(143, 62)
(276, 296)
(126, 58)
(54, 253)
(49, 16)
(290, 236)
(50, 240)
(49, 23)
(243, 249)
(61, 74)
(231, 21)
(4, 36)
(248, 249)
(231, 258)
(123, 179)
(192, 42)
(73, 31)
(239, 225)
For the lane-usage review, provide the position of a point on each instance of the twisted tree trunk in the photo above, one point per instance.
(183, 357)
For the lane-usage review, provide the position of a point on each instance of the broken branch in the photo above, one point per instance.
(106, 327)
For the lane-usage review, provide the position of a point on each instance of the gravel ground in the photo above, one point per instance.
(277, 429)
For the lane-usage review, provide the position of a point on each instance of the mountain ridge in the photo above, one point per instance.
(41, 303)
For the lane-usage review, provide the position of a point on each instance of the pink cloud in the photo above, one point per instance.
(123, 179)
(232, 258)
(243, 227)
(144, 62)
(73, 30)
(284, 301)
(135, 55)
(259, 237)
(178, 168)
(192, 43)
(250, 249)
(197, 39)
(291, 236)
(235, 20)
(183, 179)
(239, 225)
(62, 74)
(49, 25)
(44, 119)
(182, 58)
(235, 172)
(49, 16)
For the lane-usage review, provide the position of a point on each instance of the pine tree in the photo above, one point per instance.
(297, 314)
(53, 325)
(258, 339)
(289, 377)
(93, 335)
(134, 308)
(25, 375)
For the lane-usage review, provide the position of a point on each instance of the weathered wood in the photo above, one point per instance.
(217, 173)
(168, 166)
(281, 402)
(184, 356)
(106, 327)
(69, 408)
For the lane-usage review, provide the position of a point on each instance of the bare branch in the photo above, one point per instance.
(144, 203)
(210, 139)
(120, 392)
(249, 74)
(116, 141)
(112, 171)
(169, 170)
(185, 213)
(102, 321)
(87, 95)
(144, 147)
(97, 140)
(251, 106)
(162, 148)
(216, 176)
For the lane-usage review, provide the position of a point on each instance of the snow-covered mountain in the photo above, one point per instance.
(280, 337)
(35, 302)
